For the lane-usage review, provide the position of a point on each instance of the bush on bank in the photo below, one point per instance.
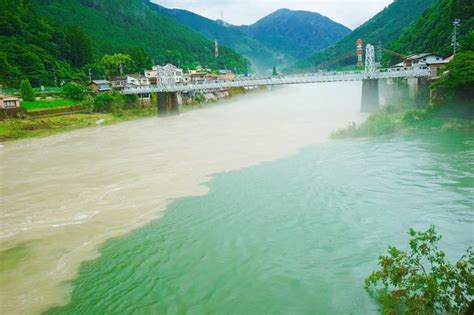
(422, 280)
(396, 119)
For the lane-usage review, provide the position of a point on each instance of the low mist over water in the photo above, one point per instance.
(64, 195)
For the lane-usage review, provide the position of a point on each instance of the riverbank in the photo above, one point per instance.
(397, 119)
(17, 129)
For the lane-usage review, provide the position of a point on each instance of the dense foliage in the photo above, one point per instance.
(124, 25)
(384, 27)
(421, 280)
(456, 86)
(31, 47)
(73, 91)
(432, 31)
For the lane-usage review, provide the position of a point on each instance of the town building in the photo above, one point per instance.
(99, 86)
(118, 83)
(433, 61)
(137, 80)
(9, 102)
(167, 74)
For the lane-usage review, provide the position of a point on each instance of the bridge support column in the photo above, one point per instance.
(413, 88)
(370, 95)
(168, 103)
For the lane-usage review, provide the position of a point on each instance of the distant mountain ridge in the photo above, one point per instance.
(278, 39)
(297, 33)
(261, 56)
(385, 27)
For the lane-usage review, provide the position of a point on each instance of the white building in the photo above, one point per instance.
(137, 80)
(167, 74)
(433, 61)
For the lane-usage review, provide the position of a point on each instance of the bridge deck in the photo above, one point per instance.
(283, 80)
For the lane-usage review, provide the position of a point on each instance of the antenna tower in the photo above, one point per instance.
(454, 40)
(359, 52)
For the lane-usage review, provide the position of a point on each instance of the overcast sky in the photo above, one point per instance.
(351, 13)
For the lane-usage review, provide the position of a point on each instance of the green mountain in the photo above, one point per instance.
(117, 25)
(296, 33)
(48, 41)
(33, 48)
(432, 31)
(262, 57)
(279, 39)
(385, 27)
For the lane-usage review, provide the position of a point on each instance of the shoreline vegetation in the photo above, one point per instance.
(393, 119)
(30, 127)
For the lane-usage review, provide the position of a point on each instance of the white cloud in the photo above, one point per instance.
(351, 13)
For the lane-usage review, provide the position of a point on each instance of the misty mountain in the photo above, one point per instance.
(262, 57)
(279, 39)
(296, 33)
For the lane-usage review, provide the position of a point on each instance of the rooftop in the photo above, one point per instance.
(98, 82)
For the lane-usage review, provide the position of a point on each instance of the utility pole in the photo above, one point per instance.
(121, 70)
(216, 48)
(90, 75)
(454, 40)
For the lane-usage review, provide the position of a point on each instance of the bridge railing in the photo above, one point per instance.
(282, 80)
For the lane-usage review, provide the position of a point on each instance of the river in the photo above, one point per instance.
(243, 208)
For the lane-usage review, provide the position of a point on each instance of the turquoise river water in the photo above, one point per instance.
(243, 208)
(293, 236)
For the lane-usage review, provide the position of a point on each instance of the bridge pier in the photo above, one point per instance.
(168, 103)
(370, 95)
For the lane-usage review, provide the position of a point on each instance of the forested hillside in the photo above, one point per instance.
(33, 48)
(432, 31)
(385, 27)
(48, 41)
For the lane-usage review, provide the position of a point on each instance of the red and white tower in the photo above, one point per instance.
(360, 51)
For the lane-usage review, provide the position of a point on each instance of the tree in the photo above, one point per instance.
(112, 64)
(421, 280)
(80, 52)
(140, 58)
(26, 91)
(456, 86)
(73, 91)
(275, 73)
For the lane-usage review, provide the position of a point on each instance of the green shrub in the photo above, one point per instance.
(26, 91)
(415, 115)
(422, 280)
(88, 104)
(73, 91)
(118, 104)
(103, 103)
(131, 101)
